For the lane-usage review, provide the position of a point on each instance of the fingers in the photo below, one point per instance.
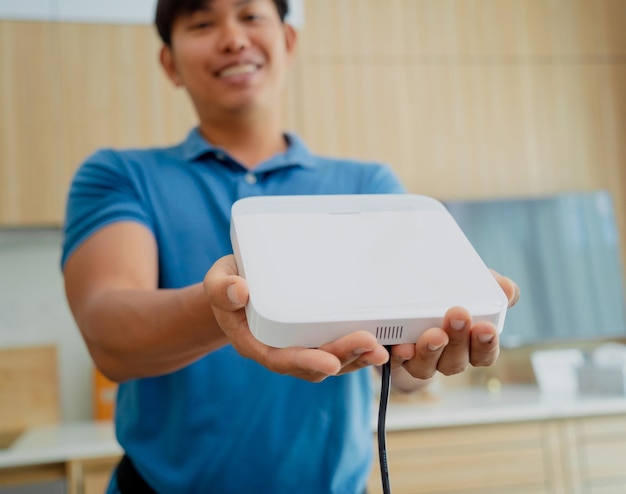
(451, 348)
(357, 350)
(305, 363)
(223, 285)
(484, 345)
(445, 349)
(346, 354)
(428, 351)
(228, 294)
(509, 287)
(456, 354)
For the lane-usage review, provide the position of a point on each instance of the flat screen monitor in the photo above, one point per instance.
(564, 253)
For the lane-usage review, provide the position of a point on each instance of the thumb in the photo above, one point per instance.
(237, 293)
(224, 287)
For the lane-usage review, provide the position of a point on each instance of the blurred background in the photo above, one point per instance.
(465, 99)
(473, 102)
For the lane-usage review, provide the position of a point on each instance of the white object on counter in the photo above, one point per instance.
(609, 355)
(555, 370)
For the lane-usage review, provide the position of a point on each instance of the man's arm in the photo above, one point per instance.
(132, 329)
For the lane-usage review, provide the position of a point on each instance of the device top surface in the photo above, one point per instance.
(336, 204)
(319, 258)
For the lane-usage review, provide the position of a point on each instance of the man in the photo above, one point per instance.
(202, 405)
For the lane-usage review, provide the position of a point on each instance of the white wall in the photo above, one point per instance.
(27, 9)
(33, 310)
(109, 11)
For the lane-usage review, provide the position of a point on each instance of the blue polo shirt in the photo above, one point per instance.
(225, 424)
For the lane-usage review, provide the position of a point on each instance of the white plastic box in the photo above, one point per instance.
(320, 267)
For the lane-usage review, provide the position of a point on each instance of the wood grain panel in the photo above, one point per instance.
(518, 468)
(613, 427)
(472, 98)
(459, 131)
(600, 444)
(466, 438)
(92, 86)
(417, 459)
(29, 394)
(114, 92)
(468, 30)
(353, 28)
(464, 98)
(365, 110)
(605, 460)
(30, 139)
(18, 476)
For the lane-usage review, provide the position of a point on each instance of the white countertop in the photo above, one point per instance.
(60, 443)
(472, 406)
(447, 408)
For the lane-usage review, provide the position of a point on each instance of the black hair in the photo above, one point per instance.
(167, 11)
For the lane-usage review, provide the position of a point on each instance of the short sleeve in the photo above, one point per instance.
(382, 180)
(102, 192)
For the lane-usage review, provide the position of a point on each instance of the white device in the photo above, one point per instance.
(322, 266)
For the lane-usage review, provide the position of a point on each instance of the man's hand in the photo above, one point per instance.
(459, 343)
(228, 295)
(448, 349)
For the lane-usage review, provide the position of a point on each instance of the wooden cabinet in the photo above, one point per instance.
(66, 90)
(569, 456)
(601, 450)
(34, 479)
(76, 476)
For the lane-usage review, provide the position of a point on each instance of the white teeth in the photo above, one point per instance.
(245, 68)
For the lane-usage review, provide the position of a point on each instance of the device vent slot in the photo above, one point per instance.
(389, 332)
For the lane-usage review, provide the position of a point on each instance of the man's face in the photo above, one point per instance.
(231, 56)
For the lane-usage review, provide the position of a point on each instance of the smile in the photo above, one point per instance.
(246, 68)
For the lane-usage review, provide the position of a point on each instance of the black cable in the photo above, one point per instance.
(382, 414)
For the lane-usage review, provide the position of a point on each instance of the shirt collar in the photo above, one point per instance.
(196, 147)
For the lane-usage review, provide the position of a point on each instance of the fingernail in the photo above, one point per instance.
(360, 351)
(485, 338)
(457, 324)
(434, 348)
(231, 292)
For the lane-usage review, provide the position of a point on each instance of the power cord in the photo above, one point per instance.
(382, 415)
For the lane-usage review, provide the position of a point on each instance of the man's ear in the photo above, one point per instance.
(166, 57)
(291, 40)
